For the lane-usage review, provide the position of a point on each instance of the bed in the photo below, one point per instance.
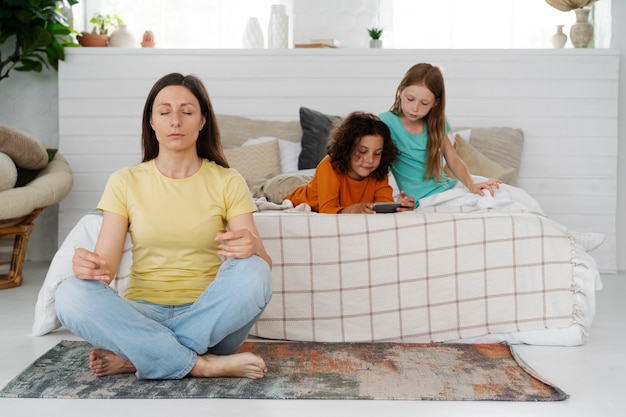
(442, 274)
(437, 274)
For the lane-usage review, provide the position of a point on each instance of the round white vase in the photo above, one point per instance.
(123, 38)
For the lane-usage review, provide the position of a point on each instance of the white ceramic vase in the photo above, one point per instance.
(253, 35)
(376, 43)
(559, 38)
(278, 31)
(123, 38)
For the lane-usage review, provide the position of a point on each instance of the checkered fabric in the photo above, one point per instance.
(425, 276)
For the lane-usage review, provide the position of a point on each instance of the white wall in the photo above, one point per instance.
(29, 102)
(347, 23)
(618, 41)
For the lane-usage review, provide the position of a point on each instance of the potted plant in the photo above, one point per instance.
(104, 24)
(375, 34)
(40, 32)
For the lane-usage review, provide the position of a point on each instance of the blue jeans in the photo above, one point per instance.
(163, 341)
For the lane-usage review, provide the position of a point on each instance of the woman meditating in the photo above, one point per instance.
(200, 276)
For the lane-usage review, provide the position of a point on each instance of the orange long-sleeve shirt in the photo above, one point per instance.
(329, 192)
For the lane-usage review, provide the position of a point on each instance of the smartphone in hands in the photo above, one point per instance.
(386, 207)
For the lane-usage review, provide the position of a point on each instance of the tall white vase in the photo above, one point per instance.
(278, 31)
(253, 35)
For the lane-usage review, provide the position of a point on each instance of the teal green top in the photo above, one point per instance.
(410, 167)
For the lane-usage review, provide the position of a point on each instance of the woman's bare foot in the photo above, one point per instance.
(104, 362)
(242, 365)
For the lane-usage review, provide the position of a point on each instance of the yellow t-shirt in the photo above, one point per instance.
(173, 223)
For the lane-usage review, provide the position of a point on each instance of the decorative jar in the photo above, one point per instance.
(559, 38)
(278, 31)
(581, 32)
(123, 38)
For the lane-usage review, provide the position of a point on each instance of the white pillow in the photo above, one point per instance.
(289, 152)
(83, 235)
(394, 186)
(8, 172)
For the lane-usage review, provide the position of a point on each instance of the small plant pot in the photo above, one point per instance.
(92, 39)
(376, 43)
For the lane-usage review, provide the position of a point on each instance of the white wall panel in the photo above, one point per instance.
(565, 101)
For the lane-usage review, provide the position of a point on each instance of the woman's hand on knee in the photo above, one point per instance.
(89, 265)
(237, 243)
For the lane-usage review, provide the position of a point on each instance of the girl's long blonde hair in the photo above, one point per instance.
(431, 77)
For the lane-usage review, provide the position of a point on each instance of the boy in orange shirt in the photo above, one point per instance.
(354, 174)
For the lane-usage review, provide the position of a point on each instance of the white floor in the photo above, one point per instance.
(593, 374)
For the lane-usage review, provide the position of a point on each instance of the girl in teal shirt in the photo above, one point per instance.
(419, 129)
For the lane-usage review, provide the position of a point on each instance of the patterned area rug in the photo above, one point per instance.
(302, 370)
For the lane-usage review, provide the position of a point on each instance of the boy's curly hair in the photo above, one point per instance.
(345, 136)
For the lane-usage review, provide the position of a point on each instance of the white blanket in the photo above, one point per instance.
(505, 198)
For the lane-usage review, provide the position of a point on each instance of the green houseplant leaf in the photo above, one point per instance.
(35, 33)
(375, 33)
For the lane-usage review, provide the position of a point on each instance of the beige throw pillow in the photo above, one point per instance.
(26, 151)
(501, 144)
(235, 130)
(477, 163)
(255, 162)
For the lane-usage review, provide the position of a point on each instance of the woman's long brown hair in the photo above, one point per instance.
(431, 77)
(209, 144)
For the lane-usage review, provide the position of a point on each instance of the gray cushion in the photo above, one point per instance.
(316, 127)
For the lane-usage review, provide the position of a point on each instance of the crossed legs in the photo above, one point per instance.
(171, 342)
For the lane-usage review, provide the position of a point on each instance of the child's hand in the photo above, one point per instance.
(358, 208)
(408, 203)
(478, 187)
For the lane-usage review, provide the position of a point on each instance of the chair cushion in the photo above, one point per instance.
(26, 151)
(52, 184)
(8, 172)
